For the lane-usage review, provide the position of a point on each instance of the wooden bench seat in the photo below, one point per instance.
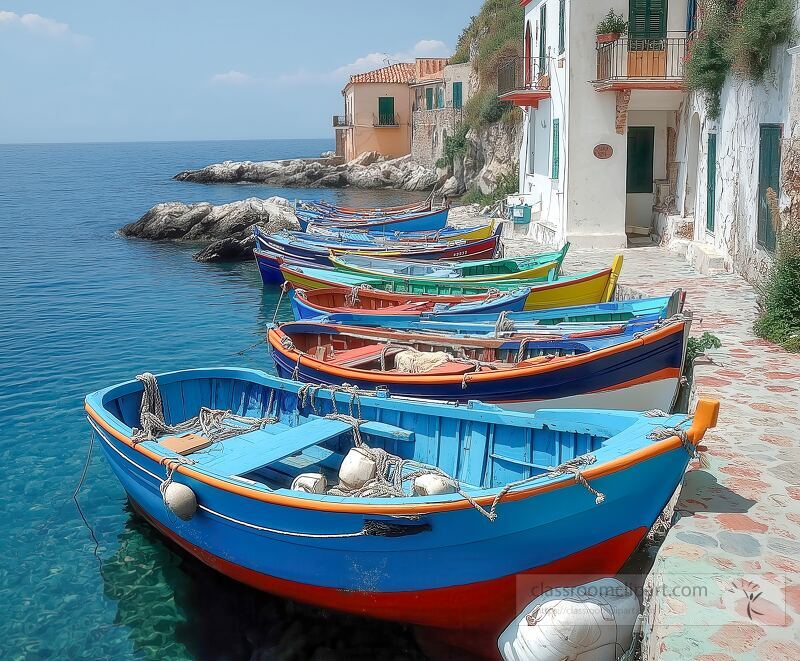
(257, 449)
(361, 355)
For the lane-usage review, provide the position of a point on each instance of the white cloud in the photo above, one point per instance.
(339, 75)
(40, 25)
(423, 48)
(232, 77)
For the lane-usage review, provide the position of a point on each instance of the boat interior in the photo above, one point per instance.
(480, 454)
(366, 300)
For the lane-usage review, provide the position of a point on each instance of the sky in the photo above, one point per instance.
(108, 70)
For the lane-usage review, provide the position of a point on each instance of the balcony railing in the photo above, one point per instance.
(661, 59)
(523, 73)
(341, 121)
(385, 119)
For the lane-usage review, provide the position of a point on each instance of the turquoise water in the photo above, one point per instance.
(81, 309)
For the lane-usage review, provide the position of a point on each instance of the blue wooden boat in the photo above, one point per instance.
(298, 246)
(434, 560)
(448, 233)
(635, 367)
(269, 266)
(425, 221)
(343, 305)
(323, 207)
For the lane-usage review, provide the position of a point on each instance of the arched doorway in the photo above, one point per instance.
(692, 151)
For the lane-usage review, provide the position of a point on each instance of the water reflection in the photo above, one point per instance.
(175, 607)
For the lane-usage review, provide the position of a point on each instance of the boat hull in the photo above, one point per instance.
(422, 222)
(638, 374)
(464, 572)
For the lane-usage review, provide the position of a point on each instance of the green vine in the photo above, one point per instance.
(737, 37)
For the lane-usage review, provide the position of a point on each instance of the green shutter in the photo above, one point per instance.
(562, 11)
(647, 19)
(769, 163)
(556, 150)
(639, 176)
(386, 111)
(457, 98)
(542, 40)
(429, 98)
(711, 181)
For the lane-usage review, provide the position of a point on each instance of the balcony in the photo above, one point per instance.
(524, 81)
(652, 64)
(385, 120)
(341, 122)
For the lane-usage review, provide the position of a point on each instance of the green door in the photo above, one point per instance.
(458, 99)
(711, 181)
(386, 111)
(542, 40)
(429, 98)
(639, 176)
(769, 164)
(647, 19)
(556, 140)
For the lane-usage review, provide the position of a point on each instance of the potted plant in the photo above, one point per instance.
(611, 28)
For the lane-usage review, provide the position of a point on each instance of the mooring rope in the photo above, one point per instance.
(214, 424)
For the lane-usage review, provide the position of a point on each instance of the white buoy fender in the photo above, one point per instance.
(433, 485)
(358, 467)
(590, 622)
(310, 483)
(180, 500)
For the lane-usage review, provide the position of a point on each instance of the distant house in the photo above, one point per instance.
(377, 112)
(439, 99)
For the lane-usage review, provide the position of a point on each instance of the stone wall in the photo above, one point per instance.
(428, 131)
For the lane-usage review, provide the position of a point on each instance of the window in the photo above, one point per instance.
(386, 111)
(562, 11)
(711, 181)
(647, 19)
(457, 96)
(542, 40)
(554, 174)
(639, 176)
(769, 163)
(440, 97)
(429, 98)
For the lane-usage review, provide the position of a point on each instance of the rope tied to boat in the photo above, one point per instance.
(503, 323)
(663, 433)
(284, 288)
(214, 424)
(661, 323)
(171, 464)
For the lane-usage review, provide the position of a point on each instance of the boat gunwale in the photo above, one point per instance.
(702, 421)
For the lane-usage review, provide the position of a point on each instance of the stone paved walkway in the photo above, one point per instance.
(728, 573)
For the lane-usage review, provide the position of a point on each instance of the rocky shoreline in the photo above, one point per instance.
(369, 171)
(226, 228)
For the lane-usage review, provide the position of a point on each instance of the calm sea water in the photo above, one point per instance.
(81, 309)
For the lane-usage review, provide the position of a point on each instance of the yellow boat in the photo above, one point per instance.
(583, 289)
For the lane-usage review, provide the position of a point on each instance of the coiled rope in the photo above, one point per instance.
(213, 424)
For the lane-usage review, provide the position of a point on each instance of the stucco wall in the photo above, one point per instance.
(745, 106)
(390, 140)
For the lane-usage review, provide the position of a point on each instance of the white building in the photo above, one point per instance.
(614, 145)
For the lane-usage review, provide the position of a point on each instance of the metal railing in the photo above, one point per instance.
(340, 121)
(385, 119)
(523, 73)
(653, 59)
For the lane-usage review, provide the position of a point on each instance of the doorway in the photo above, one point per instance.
(693, 151)
(639, 179)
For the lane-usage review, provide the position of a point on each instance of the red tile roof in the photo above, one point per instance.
(394, 73)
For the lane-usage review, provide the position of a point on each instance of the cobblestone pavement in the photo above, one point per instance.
(726, 581)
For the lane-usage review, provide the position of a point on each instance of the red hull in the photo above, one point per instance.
(487, 606)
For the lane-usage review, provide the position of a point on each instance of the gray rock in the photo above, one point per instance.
(228, 227)
(370, 170)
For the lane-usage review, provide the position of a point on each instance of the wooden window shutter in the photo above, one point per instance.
(562, 12)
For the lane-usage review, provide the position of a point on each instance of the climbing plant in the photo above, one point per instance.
(760, 26)
(739, 37)
(709, 60)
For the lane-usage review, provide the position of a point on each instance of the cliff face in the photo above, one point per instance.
(491, 151)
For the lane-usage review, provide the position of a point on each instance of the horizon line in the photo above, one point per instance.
(119, 142)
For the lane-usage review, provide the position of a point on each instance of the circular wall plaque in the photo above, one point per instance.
(603, 151)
